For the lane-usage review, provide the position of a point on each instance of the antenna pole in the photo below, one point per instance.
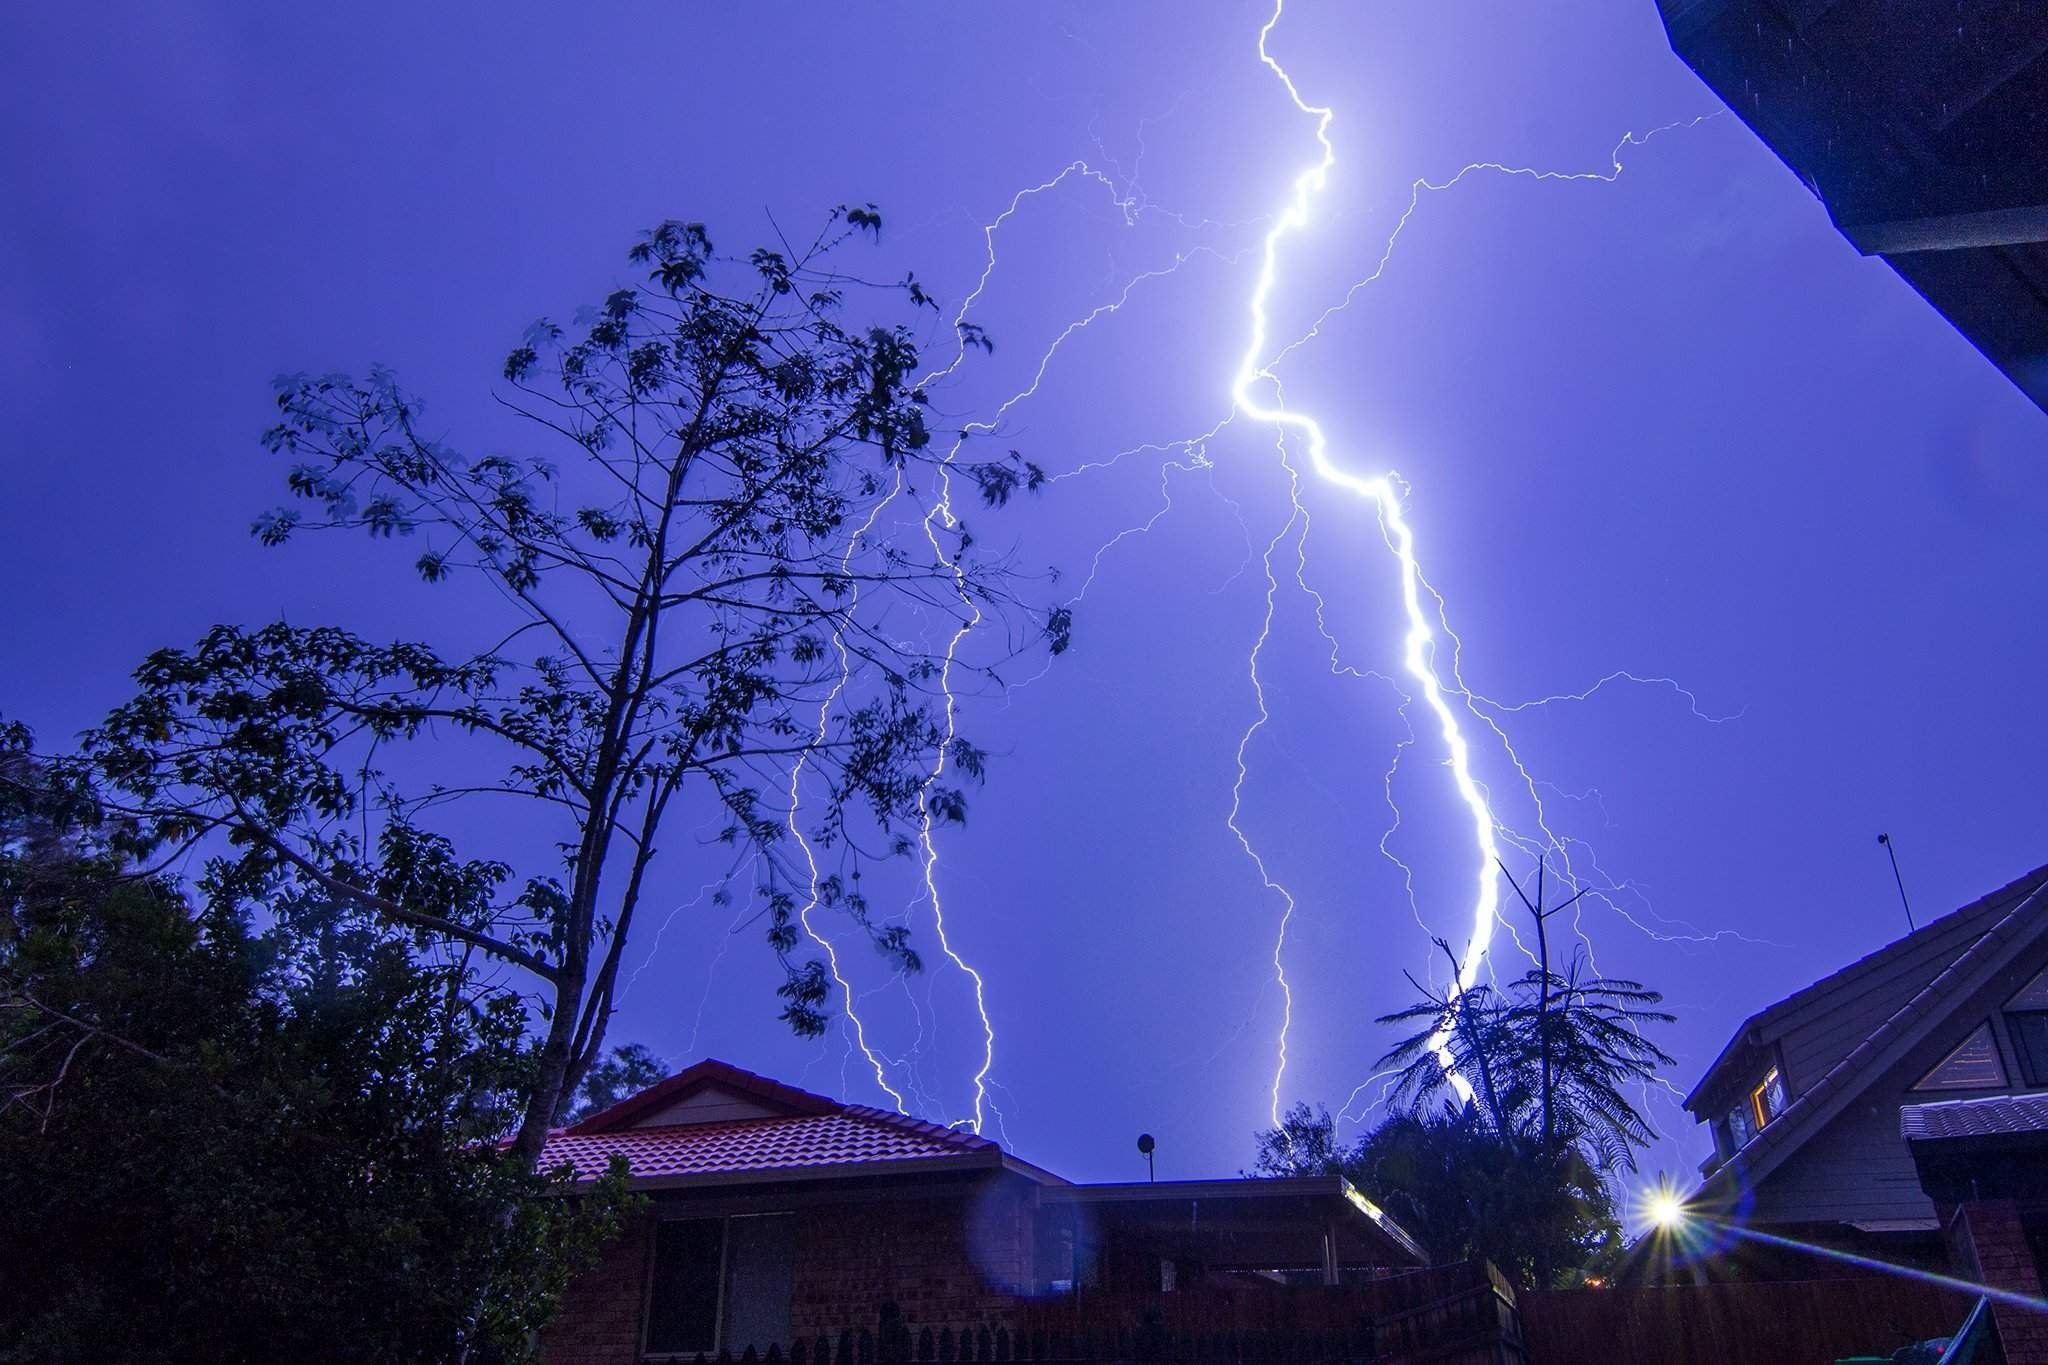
(1886, 840)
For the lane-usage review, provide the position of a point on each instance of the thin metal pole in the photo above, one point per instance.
(1886, 840)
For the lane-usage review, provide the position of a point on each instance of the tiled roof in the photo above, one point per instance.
(1997, 1116)
(789, 1131)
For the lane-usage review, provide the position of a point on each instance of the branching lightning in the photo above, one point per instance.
(1419, 644)
(1429, 675)
(1256, 393)
(939, 520)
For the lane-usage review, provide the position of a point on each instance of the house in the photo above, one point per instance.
(777, 1216)
(1897, 1108)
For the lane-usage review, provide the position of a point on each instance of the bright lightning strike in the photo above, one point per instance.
(1419, 645)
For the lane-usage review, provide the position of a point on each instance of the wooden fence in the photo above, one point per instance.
(1447, 1315)
(1794, 1322)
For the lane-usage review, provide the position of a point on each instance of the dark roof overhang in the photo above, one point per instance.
(1331, 1198)
(1920, 128)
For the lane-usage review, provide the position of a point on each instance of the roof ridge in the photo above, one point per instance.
(1776, 1135)
(2023, 885)
(708, 1071)
(2036, 1095)
(923, 1127)
(2023, 888)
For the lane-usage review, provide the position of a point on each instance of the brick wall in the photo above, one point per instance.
(955, 1256)
(1991, 1247)
(599, 1323)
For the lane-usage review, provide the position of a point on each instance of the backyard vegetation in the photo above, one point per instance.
(1510, 1112)
(285, 1027)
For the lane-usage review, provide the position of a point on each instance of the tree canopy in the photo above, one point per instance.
(730, 571)
(233, 1142)
(1509, 1116)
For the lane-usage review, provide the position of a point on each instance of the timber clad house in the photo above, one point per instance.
(1899, 1107)
(779, 1216)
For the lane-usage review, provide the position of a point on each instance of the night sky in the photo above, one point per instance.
(1671, 425)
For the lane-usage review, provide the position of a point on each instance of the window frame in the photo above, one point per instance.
(1757, 1092)
(719, 1313)
(2033, 1069)
(647, 1351)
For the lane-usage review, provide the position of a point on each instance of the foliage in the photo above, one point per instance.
(1511, 1159)
(708, 598)
(1549, 1057)
(232, 1144)
(1465, 1192)
(624, 1070)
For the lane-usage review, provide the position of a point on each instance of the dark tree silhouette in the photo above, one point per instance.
(714, 581)
(624, 1070)
(233, 1140)
(1554, 1052)
(1519, 1171)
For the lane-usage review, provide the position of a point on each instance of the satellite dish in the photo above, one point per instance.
(1145, 1143)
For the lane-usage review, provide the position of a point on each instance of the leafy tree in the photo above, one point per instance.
(625, 1070)
(226, 1144)
(1514, 1164)
(1554, 1052)
(1466, 1192)
(712, 600)
(1305, 1143)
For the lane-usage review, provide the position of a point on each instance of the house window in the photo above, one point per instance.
(1741, 1127)
(1974, 1065)
(2030, 1040)
(2026, 1018)
(720, 1284)
(1767, 1101)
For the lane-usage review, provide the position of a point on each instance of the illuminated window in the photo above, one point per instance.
(1767, 1101)
(1974, 1065)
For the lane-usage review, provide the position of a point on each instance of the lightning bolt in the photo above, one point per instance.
(939, 519)
(812, 892)
(1434, 675)
(1243, 770)
(1419, 644)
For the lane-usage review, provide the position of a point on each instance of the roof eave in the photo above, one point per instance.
(1908, 1026)
(985, 1159)
(1331, 1187)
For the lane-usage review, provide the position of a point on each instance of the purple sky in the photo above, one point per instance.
(1670, 424)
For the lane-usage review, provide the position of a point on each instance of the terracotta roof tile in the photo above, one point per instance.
(856, 1136)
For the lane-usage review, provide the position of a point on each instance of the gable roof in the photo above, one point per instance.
(1879, 982)
(2022, 909)
(792, 1135)
(707, 1075)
